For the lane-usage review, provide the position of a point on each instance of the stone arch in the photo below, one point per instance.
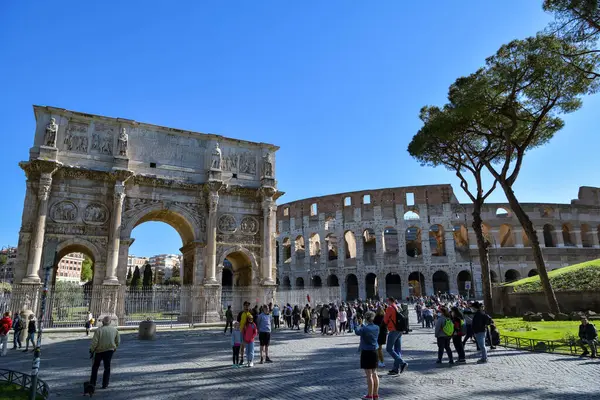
(549, 236)
(185, 223)
(567, 235)
(436, 240)
(317, 282)
(512, 275)
(411, 215)
(314, 244)
(287, 250)
(532, 272)
(299, 282)
(371, 284)
(462, 278)
(80, 245)
(333, 281)
(413, 241)
(461, 237)
(503, 212)
(586, 237)
(332, 249)
(393, 285)
(243, 264)
(390, 240)
(369, 246)
(350, 242)
(351, 287)
(441, 282)
(300, 250)
(287, 284)
(507, 237)
(416, 283)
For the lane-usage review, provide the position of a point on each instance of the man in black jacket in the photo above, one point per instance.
(587, 335)
(480, 321)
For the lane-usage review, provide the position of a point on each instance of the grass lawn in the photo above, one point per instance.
(584, 276)
(14, 392)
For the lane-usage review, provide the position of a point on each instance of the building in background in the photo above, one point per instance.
(135, 261)
(8, 254)
(165, 264)
(69, 268)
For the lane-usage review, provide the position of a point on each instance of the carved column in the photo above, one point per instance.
(210, 277)
(594, 235)
(114, 239)
(560, 242)
(39, 230)
(578, 241)
(540, 235)
(269, 208)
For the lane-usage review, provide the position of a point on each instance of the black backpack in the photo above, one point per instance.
(239, 317)
(400, 321)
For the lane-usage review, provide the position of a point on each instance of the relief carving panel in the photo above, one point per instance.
(95, 214)
(148, 145)
(249, 226)
(227, 223)
(76, 137)
(102, 138)
(64, 212)
(243, 162)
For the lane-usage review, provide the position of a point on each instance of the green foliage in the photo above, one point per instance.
(5, 287)
(67, 294)
(147, 275)
(3, 259)
(136, 281)
(11, 391)
(176, 272)
(584, 276)
(87, 272)
(175, 280)
(576, 20)
(129, 277)
(542, 330)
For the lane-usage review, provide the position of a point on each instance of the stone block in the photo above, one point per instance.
(147, 330)
(562, 317)
(548, 316)
(535, 318)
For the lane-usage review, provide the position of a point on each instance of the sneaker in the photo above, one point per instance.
(261, 361)
(393, 373)
(367, 396)
(403, 367)
(235, 366)
(251, 364)
(268, 360)
(481, 361)
(462, 361)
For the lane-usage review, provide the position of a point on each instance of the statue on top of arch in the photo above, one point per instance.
(216, 158)
(122, 143)
(51, 130)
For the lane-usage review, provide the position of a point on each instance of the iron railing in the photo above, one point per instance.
(24, 380)
(563, 346)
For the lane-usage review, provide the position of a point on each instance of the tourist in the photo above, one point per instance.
(30, 334)
(236, 342)
(276, 316)
(333, 316)
(396, 325)
(88, 323)
(587, 335)
(228, 320)
(480, 323)
(244, 317)
(468, 314)
(5, 325)
(264, 333)
(18, 325)
(288, 315)
(444, 328)
(343, 317)
(351, 315)
(494, 336)
(249, 333)
(369, 333)
(459, 332)
(105, 341)
(314, 316)
(428, 315)
(382, 335)
(324, 319)
(296, 317)
(306, 316)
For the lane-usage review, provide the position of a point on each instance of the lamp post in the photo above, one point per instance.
(464, 211)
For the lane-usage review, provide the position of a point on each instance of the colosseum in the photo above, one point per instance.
(418, 240)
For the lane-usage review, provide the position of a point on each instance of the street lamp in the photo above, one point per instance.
(464, 211)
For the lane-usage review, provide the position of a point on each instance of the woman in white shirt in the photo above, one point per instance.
(343, 320)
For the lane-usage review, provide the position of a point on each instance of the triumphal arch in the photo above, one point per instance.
(92, 179)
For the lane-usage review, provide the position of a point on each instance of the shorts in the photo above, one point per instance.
(264, 338)
(368, 359)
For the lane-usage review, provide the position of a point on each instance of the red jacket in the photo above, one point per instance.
(5, 325)
(390, 317)
(250, 332)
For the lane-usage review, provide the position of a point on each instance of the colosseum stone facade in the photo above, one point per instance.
(412, 240)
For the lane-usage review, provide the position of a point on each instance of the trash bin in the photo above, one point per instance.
(147, 330)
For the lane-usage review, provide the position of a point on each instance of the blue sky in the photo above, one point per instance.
(336, 84)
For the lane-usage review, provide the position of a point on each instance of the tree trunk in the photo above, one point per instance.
(535, 245)
(484, 260)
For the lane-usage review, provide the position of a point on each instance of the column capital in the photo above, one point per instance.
(44, 188)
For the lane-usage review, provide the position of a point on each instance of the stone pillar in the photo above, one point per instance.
(428, 284)
(559, 238)
(453, 282)
(358, 238)
(495, 235)
(594, 238)
(362, 287)
(381, 286)
(519, 237)
(211, 234)
(269, 209)
(114, 235)
(449, 245)
(39, 230)
(578, 241)
(404, 287)
(540, 235)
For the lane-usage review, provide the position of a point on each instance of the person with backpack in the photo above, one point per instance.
(276, 316)
(5, 325)
(444, 328)
(460, 329)
(30, 334)
(18, 327)
(396, 324)
(306, 316)
(480, 322)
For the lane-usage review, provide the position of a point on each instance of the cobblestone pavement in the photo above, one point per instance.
(196, 365)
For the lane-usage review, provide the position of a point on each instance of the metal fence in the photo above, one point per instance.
(24, 380)
(68, 306)
(540, 345)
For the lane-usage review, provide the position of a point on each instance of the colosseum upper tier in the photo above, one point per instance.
(419, 240)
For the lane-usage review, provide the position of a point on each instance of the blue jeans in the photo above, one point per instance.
(394, 348)
(250, 351)
(480, 339)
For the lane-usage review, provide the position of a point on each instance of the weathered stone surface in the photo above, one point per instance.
(147, 330)
(548, 316)
(562, 317)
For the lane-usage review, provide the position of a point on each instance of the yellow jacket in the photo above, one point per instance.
(105, 338)
(244, 319)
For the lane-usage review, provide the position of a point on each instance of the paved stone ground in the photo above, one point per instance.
(196, 365)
